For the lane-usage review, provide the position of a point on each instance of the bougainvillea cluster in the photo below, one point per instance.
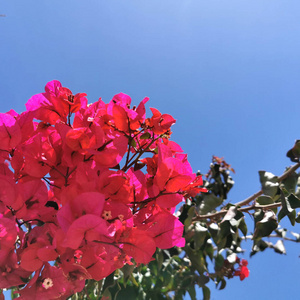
(85, 189)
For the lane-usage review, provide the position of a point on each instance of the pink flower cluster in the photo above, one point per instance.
(75, 203)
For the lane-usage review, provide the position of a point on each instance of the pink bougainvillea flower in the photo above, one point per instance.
(243, 271)
(11, 273)
(32, 197)
(159, 123)
(85, 203)
(137, 244)
(139, 183)
(8, 190)
(72, 102)
(116, 186)
(89, 228)
(40, 249)
(51, 283)
(98, 261)
(10, 132)
(39, 155)
(165, 229)
(195, 187)
(8, 233)
(56, 103)
(124, 118)
(112, 153)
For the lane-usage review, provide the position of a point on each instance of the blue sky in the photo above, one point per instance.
(228, 71)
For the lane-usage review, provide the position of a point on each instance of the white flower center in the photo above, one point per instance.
(106, 214)
(47, 283)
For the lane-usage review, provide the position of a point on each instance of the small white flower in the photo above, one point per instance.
(106, 214)
(47, 283)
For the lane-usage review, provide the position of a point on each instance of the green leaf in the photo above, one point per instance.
(231, 213)
(266, 225)
(127, 293)
(190, 216)
(258, 215)
(209, 249)
(197, 259)
(153, 267)
(133, 143)
(109, 281)
(269, 183)
(202, 280)
(279, 247)
(213, 229)
(127, 271)
(298, 218)
(201, 234)
(206, 293)
(106, 294)
(145, 136)
(224, 230)
(294, 153)
(297, 236)
(209, 203)
(294, 201)
(222, 285)
(219, 262)
(159, 259)
(288, 205)
(290, 182)
(292, 217)
(258, 246)
(243, 227)
(179, 295)
(264, 200)
(192, 292)
(281, 232)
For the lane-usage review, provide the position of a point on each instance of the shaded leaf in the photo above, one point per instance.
(231, 213)
(290, 182)
(279, 247)
(145, 136)
(269, 183)
(258, 246)
(264, 200)
(224, 230)
(127, 271)
(243, 227)
(296, 235)
(221, 284)
(192, 292)
(219, 262)
(190, 215)
(202, 280)
(266, 225)
(206, 293)
(294, 153)
(288, 205)
(209, 203)
(197, 259)
(200, 235)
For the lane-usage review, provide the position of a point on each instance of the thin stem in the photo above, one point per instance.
(251, 198)
(280, 178)
(271, 236)
(139, 155)
(242, 209)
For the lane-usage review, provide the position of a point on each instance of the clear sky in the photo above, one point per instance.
(228, 71)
